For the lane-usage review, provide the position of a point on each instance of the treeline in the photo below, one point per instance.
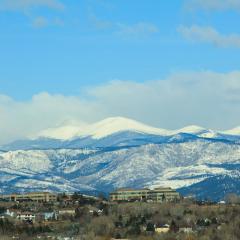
(8, 227)
(138, 221)
(101, 220)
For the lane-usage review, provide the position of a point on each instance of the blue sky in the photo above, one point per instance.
(83, 44)
(83, 48)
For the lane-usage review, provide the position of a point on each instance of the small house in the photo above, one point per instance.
(10, 213)
(67, 212)
(26, 217)
(49, 216)
(162, 229)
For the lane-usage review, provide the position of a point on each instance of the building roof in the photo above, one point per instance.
(25, 213)
(163, 189)
(130, 190)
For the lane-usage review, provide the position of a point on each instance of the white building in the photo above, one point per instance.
(27, 216)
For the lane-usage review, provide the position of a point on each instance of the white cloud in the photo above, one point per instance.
(99, 23)
(205, 98)
(209, 35)
(40, 22)
(25, 5)
(141, 28)
(19, 119)
(123, 29)
(132, 30)
(212, 5)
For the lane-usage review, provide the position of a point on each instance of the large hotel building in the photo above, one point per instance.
(33, 196)
(155, 195)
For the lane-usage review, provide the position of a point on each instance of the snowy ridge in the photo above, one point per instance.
(119, 152)
(177, 165)
(234, 131)
(114, 125)
(192, 129)
(101, 129)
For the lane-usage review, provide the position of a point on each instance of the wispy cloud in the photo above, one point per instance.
(209, 35)
(25, 5)
(123, 29)
(212, 5)
(99, 23)
(42, 22)
(180, 99)
(141, 28)
(118, 26)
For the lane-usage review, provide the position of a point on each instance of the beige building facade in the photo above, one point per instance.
(155, 195)
(34, 196)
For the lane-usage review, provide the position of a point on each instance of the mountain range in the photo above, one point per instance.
(119, 152)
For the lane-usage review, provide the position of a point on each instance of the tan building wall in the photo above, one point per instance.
(162, 229)
(156, 195)
(34, 196)
(67, 212)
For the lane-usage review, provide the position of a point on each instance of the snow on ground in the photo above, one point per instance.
(28, 161)
(185, 176)
(169, 164)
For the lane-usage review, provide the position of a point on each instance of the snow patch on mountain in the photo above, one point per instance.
(234, 131)
(26, 161)
(101, 129)
(179, 177)
(115, 125)
(115, 132)
(192, 129)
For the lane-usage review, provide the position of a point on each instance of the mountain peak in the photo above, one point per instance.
(191, 129)
(234, 131)
(118, 124)
(116, 121)
(100, 129)
(113, 125)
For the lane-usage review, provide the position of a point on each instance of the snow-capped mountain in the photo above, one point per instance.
(119, 152)
(118, 125)
(234, 131)
(101, 129)
(115, 125)
(114, 132)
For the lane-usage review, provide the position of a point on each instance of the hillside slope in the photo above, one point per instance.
(178, 164)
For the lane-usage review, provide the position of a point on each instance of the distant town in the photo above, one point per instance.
(160, 213)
